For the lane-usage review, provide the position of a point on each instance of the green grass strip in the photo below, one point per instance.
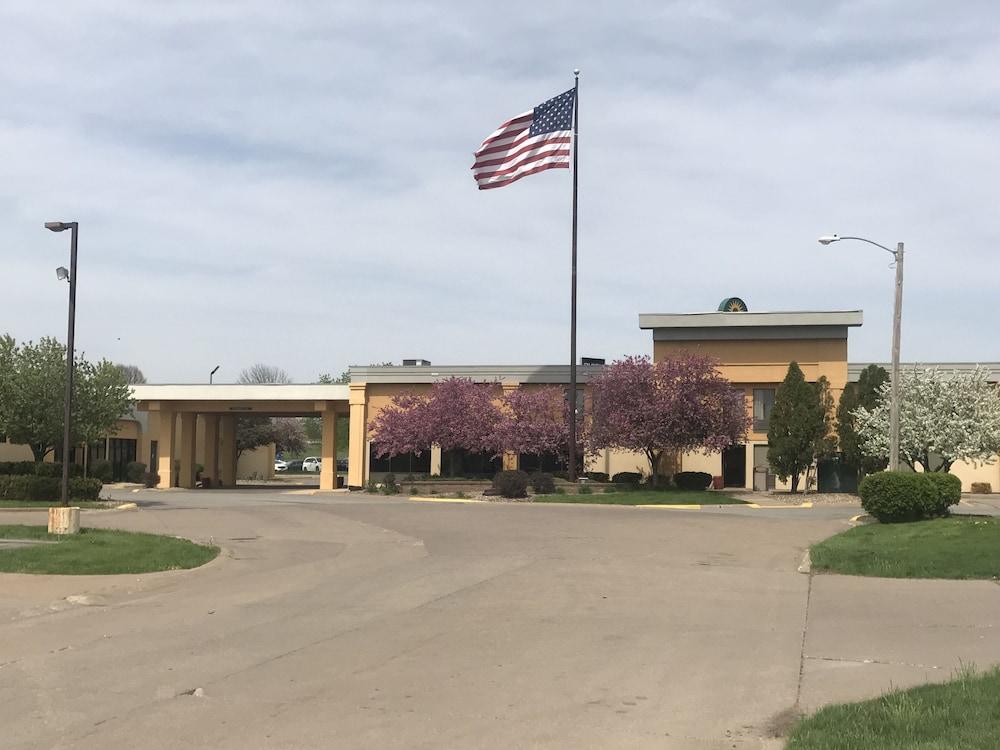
(955, 547)
(644, 497)
(100, 552)
(960, 715)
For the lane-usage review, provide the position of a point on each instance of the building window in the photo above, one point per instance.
(763, 403)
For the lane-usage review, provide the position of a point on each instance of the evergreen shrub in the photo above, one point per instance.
(692, 480)
(897, 496)
(134, 471)
(511, 483)
(542, 483)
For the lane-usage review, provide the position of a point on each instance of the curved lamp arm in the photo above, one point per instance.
(837, 238)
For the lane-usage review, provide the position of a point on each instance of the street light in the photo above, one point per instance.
(63, 275)
(215, 370)
(896, 326)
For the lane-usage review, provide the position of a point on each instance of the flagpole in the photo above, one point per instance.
(572, 314)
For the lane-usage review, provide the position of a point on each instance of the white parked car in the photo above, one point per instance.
(312, 463)
(280, 465)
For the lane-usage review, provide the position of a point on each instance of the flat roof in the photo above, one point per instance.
(751, 319)
(488, 373)
(238, 392)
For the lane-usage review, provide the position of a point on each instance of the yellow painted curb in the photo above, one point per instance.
(444, 500)
(671, 507)
(766, 507)
(126, 506)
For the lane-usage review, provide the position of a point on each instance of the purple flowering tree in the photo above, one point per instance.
(676, 405)
(456, 413)
(534, 421)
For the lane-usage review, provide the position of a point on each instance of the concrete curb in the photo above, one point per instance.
(757, 506)
(806, 565)
(42, 509)
(448, 500)
(669, 507)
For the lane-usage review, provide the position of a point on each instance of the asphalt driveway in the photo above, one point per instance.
(336, 621)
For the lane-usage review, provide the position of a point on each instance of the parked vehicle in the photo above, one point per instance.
(341, 464)
(280, 465)
(311, 463)
(294, 465)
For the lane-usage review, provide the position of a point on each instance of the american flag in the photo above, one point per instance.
(526, 144)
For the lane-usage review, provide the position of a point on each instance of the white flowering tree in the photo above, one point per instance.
(943, 417)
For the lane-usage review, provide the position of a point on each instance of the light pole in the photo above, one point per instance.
(212, 374)
(897, 322)
(62, 275)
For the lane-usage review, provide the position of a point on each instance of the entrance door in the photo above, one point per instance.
(734, 466)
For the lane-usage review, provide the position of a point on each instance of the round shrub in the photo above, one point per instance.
(894, 496)
(511, 483)
(949, 489)
(597, 476)
(627, 477)
(102, 469)
(542, 483)
(134, 471)
(692, 480)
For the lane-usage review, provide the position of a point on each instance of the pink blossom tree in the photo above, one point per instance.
(535, 420)
(456, 413)
(681, 404)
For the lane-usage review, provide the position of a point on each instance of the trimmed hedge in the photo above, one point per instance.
(512, 483)
(597, 476)
(19, 468)
(47, 489)
(692, 480)
(897, 496)
(627, 477)
(542, 483)
(54, 469)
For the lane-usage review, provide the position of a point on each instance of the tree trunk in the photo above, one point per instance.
(654, 460)
(795, 482)
(39, 452)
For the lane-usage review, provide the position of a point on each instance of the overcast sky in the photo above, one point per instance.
(288, 182)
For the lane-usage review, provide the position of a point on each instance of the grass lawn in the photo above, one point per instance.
(644, 497)
(960, 715)
(99, 552)
(955, 547)
(52, 504)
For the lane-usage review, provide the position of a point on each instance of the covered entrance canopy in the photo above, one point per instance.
(178, 409)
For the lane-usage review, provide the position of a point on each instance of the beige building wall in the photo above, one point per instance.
(970, 473)
(15, 452)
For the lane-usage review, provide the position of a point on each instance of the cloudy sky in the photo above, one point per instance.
(288, 182)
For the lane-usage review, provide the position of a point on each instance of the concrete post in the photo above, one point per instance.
(187, 448)
(165, 448)
(435, 460)
(211, 451)
(328, 451)
(357, 442)
(227, 450)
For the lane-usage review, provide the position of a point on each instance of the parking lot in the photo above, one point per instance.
(337, 620)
